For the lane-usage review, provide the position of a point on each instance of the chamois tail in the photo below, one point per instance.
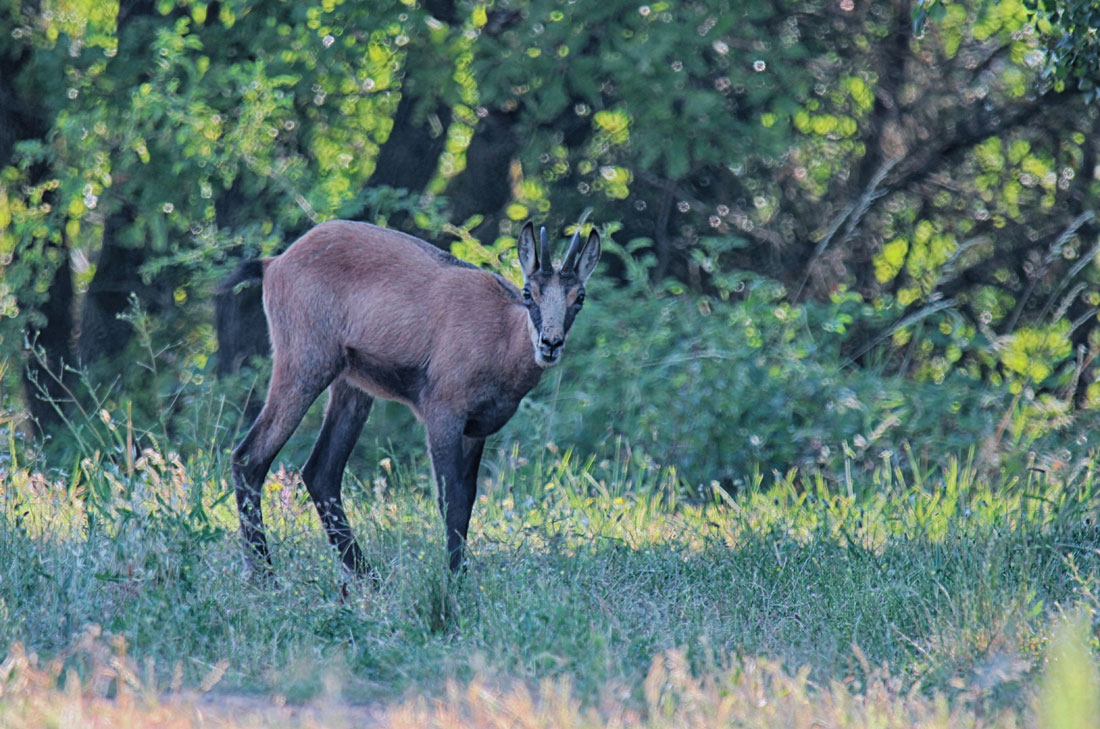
(239, 317)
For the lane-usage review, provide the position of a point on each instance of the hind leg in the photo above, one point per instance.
(292, 391)
(347, 410)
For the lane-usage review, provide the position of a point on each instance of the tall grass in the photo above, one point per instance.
(584, 572)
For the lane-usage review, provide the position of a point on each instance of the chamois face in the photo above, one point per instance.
(553, 296)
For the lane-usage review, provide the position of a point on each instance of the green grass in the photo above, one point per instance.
(580, 570)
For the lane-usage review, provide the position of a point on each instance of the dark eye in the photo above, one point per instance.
(527, 298)
(580, 298)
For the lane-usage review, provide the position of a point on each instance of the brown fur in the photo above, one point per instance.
(356, 286)
(370, 312)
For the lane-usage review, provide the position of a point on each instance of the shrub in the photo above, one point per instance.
(739, 382)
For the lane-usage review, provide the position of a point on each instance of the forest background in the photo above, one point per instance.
(839, 228)
(845, 240)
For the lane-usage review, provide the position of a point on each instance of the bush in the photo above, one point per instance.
(737, 383)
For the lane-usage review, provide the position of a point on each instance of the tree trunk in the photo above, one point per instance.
(483, 187)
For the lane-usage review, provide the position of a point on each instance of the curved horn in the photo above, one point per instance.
(544, 251)
(575, 243)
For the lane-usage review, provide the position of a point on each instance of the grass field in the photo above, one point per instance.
(600, 593)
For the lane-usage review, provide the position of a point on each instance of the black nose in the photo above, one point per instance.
(551, 344)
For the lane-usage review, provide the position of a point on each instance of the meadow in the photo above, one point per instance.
(601, 592)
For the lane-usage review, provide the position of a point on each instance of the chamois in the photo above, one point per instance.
(369, 312)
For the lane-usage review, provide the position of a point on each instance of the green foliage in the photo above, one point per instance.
(1067, 26)
(1075, 52)
(580, 72)
(213, 134)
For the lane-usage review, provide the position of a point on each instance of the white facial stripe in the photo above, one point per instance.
(553, 311)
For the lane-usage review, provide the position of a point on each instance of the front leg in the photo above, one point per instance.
(455, 462)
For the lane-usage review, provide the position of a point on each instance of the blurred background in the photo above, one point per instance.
(839, 233)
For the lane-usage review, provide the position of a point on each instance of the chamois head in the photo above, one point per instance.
(553, 296)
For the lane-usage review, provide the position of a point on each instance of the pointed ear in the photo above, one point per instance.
(589, 257)
(525, 248)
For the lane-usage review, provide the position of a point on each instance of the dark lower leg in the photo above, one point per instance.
(252, 524)
(289, 396)
(347, 411)
(247, 484)
(339, 534)
(455, 459)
